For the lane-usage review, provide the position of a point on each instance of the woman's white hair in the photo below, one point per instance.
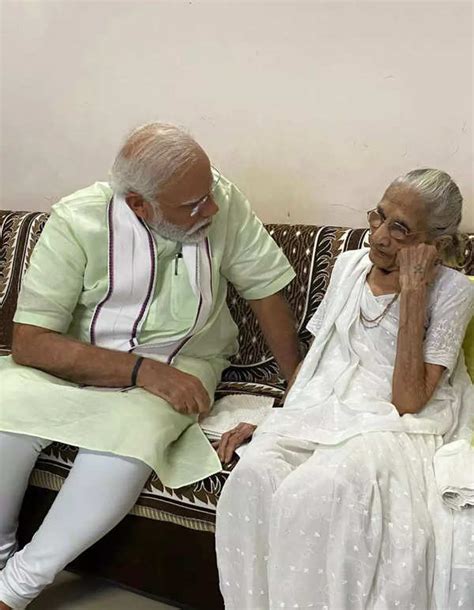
(443, 201)
(441, 196)
(151, 156)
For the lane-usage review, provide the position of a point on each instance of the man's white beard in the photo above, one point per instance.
(168, 230)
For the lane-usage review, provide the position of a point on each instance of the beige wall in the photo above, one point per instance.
(311, 107)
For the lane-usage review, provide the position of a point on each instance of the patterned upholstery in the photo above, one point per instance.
(312, 252)
(19, 232)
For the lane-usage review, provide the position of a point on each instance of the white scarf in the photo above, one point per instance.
(334, 386)
(118, 318)
(344, 299)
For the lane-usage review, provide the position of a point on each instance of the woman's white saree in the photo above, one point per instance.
(345, 384)
(335, 505)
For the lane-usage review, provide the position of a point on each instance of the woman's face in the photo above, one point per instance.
(400, 208)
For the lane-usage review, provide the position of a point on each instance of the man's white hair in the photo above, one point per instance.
(151, 156)
(443, 201)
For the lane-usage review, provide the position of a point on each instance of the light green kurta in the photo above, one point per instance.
(66, 279)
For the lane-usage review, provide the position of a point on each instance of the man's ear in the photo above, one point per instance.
(138, 205)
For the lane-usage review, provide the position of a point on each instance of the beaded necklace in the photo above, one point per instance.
(373, 323)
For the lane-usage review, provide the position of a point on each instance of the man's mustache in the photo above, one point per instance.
(195, 228)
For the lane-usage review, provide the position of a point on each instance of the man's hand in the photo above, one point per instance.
(231, 440)
(418, 266)
(184, 392)
(87, 364)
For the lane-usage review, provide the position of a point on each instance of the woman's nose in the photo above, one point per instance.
(381, 235)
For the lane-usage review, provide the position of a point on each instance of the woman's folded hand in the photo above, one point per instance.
(232, 440)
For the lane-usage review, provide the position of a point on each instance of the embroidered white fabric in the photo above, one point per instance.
(454, 470)
(234, 409)
(349, 391)
(316, 321)
(335, 504)
(355, 526)
(449, 311)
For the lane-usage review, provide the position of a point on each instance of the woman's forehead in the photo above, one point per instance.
(403, 203)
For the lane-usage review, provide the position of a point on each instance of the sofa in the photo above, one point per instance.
(165, 547)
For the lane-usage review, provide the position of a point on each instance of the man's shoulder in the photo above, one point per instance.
(229, 197)
(89, 200)
(84, 213)
(234, 208)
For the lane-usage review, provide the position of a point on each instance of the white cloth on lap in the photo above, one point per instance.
(454, 471)
(234, 409)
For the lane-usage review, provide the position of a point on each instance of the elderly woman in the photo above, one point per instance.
(334, 505)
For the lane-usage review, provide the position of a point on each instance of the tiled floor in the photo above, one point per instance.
(72, 592)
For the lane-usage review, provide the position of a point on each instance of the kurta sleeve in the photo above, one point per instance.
(252, 260)
(452, 310)
(54, 279)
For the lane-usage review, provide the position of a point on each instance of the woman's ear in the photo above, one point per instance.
(442, 243)
(453, 249)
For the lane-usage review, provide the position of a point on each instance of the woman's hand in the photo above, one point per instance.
(414, 381)
(233, 439)
(418, 266)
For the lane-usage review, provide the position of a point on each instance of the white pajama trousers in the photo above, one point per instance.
(99, 491)
(354, 526)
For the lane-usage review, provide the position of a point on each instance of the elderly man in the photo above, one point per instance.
(122, 332)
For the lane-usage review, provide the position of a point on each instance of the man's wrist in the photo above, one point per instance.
(136, 369)
(143, 372)
(148, 368)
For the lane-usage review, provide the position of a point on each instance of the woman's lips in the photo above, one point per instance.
(377, 250)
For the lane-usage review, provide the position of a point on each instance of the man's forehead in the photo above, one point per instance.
(189, 188)
(199, 197)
